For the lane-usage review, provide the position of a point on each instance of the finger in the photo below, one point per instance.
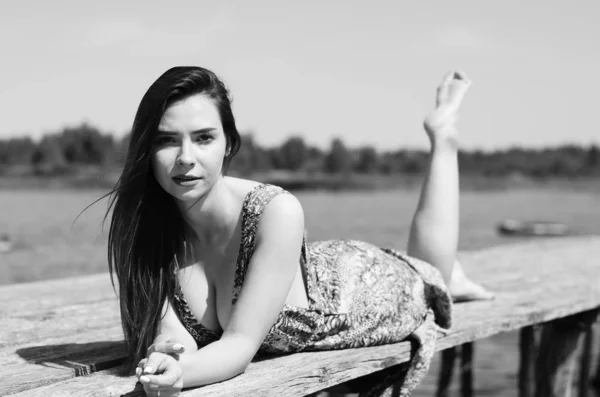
(140, 367)
(165, 379)
(168, 373)
(167, 347)
(154, 361)
(152, 391)
(151, 386)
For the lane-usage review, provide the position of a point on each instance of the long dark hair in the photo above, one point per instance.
(147, 231)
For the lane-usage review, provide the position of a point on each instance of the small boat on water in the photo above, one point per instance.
(513, 227)
(5, 244)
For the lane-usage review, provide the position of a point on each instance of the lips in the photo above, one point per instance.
(182, 177)
(186, 180)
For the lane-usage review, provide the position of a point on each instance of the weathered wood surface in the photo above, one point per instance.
(534, 282)
(466, 369)
(527, 348)
(586, 363)
(446, 372)
(56, 330)
(556, 356)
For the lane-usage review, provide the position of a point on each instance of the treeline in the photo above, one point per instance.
(63, 151)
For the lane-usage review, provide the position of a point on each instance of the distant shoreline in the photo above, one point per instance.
(314, 182)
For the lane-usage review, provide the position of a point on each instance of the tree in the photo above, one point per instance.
(85, 144)
(244, 161)
(315, 159)
(293, 153)
(368, 160)
(592, 159)
(339, 159)
(16, 151)
(48, 156)
(414, 162)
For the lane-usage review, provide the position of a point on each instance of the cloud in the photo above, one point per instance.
(459, 38)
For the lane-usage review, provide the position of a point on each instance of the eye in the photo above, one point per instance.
(204, 138)
(163, 140)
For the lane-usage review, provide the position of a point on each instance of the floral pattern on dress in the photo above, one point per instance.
(359, 295)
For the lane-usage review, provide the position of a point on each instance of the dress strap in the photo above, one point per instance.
(254, 204)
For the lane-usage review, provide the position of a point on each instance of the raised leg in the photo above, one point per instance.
(434, 230)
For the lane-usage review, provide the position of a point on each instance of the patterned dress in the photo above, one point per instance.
(359, 295)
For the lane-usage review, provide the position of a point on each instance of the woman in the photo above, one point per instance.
(184, 240)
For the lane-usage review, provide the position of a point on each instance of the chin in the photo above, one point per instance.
(188, 194)
(192, 193)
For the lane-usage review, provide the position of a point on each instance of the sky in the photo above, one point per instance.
(364, 71)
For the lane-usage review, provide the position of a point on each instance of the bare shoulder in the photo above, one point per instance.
(240, 187)
(285, 205)
(282, 214)
(282, 208)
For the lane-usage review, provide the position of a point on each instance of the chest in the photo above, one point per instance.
(207, 285)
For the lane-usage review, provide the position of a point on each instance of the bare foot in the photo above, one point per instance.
(440, 123)
(463, 289)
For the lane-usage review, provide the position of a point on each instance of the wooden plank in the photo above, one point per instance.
(466, 369)
(556, 356)
(534, 282)
(57, 330)
(72, 320)
(585, 363)
(32, 365)
(527, 349)
(44, 296)
(446, 372)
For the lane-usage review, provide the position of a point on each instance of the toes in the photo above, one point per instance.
(458, 88)
(443, 89)
(453, 88)
(460, 75)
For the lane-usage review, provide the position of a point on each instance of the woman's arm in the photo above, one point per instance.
(170, 329)
(268, 281)
(172, 341)
(434, 231)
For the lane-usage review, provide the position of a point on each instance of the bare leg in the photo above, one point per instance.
(434, 230)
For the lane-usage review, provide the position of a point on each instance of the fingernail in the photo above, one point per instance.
(138, 371)
(144, 379)
(178, 346)
(148, 370)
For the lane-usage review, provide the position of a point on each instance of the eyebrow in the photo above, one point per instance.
(200, 131)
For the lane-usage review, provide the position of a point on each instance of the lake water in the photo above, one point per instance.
(48, 244)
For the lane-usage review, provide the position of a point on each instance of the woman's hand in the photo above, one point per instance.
(169, 347)
(440, 124)
(161, 375)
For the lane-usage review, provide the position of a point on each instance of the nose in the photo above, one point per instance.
(185, 157)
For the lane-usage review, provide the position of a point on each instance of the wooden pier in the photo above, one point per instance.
(63, 337)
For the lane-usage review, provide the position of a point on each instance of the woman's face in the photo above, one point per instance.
(189, 148)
